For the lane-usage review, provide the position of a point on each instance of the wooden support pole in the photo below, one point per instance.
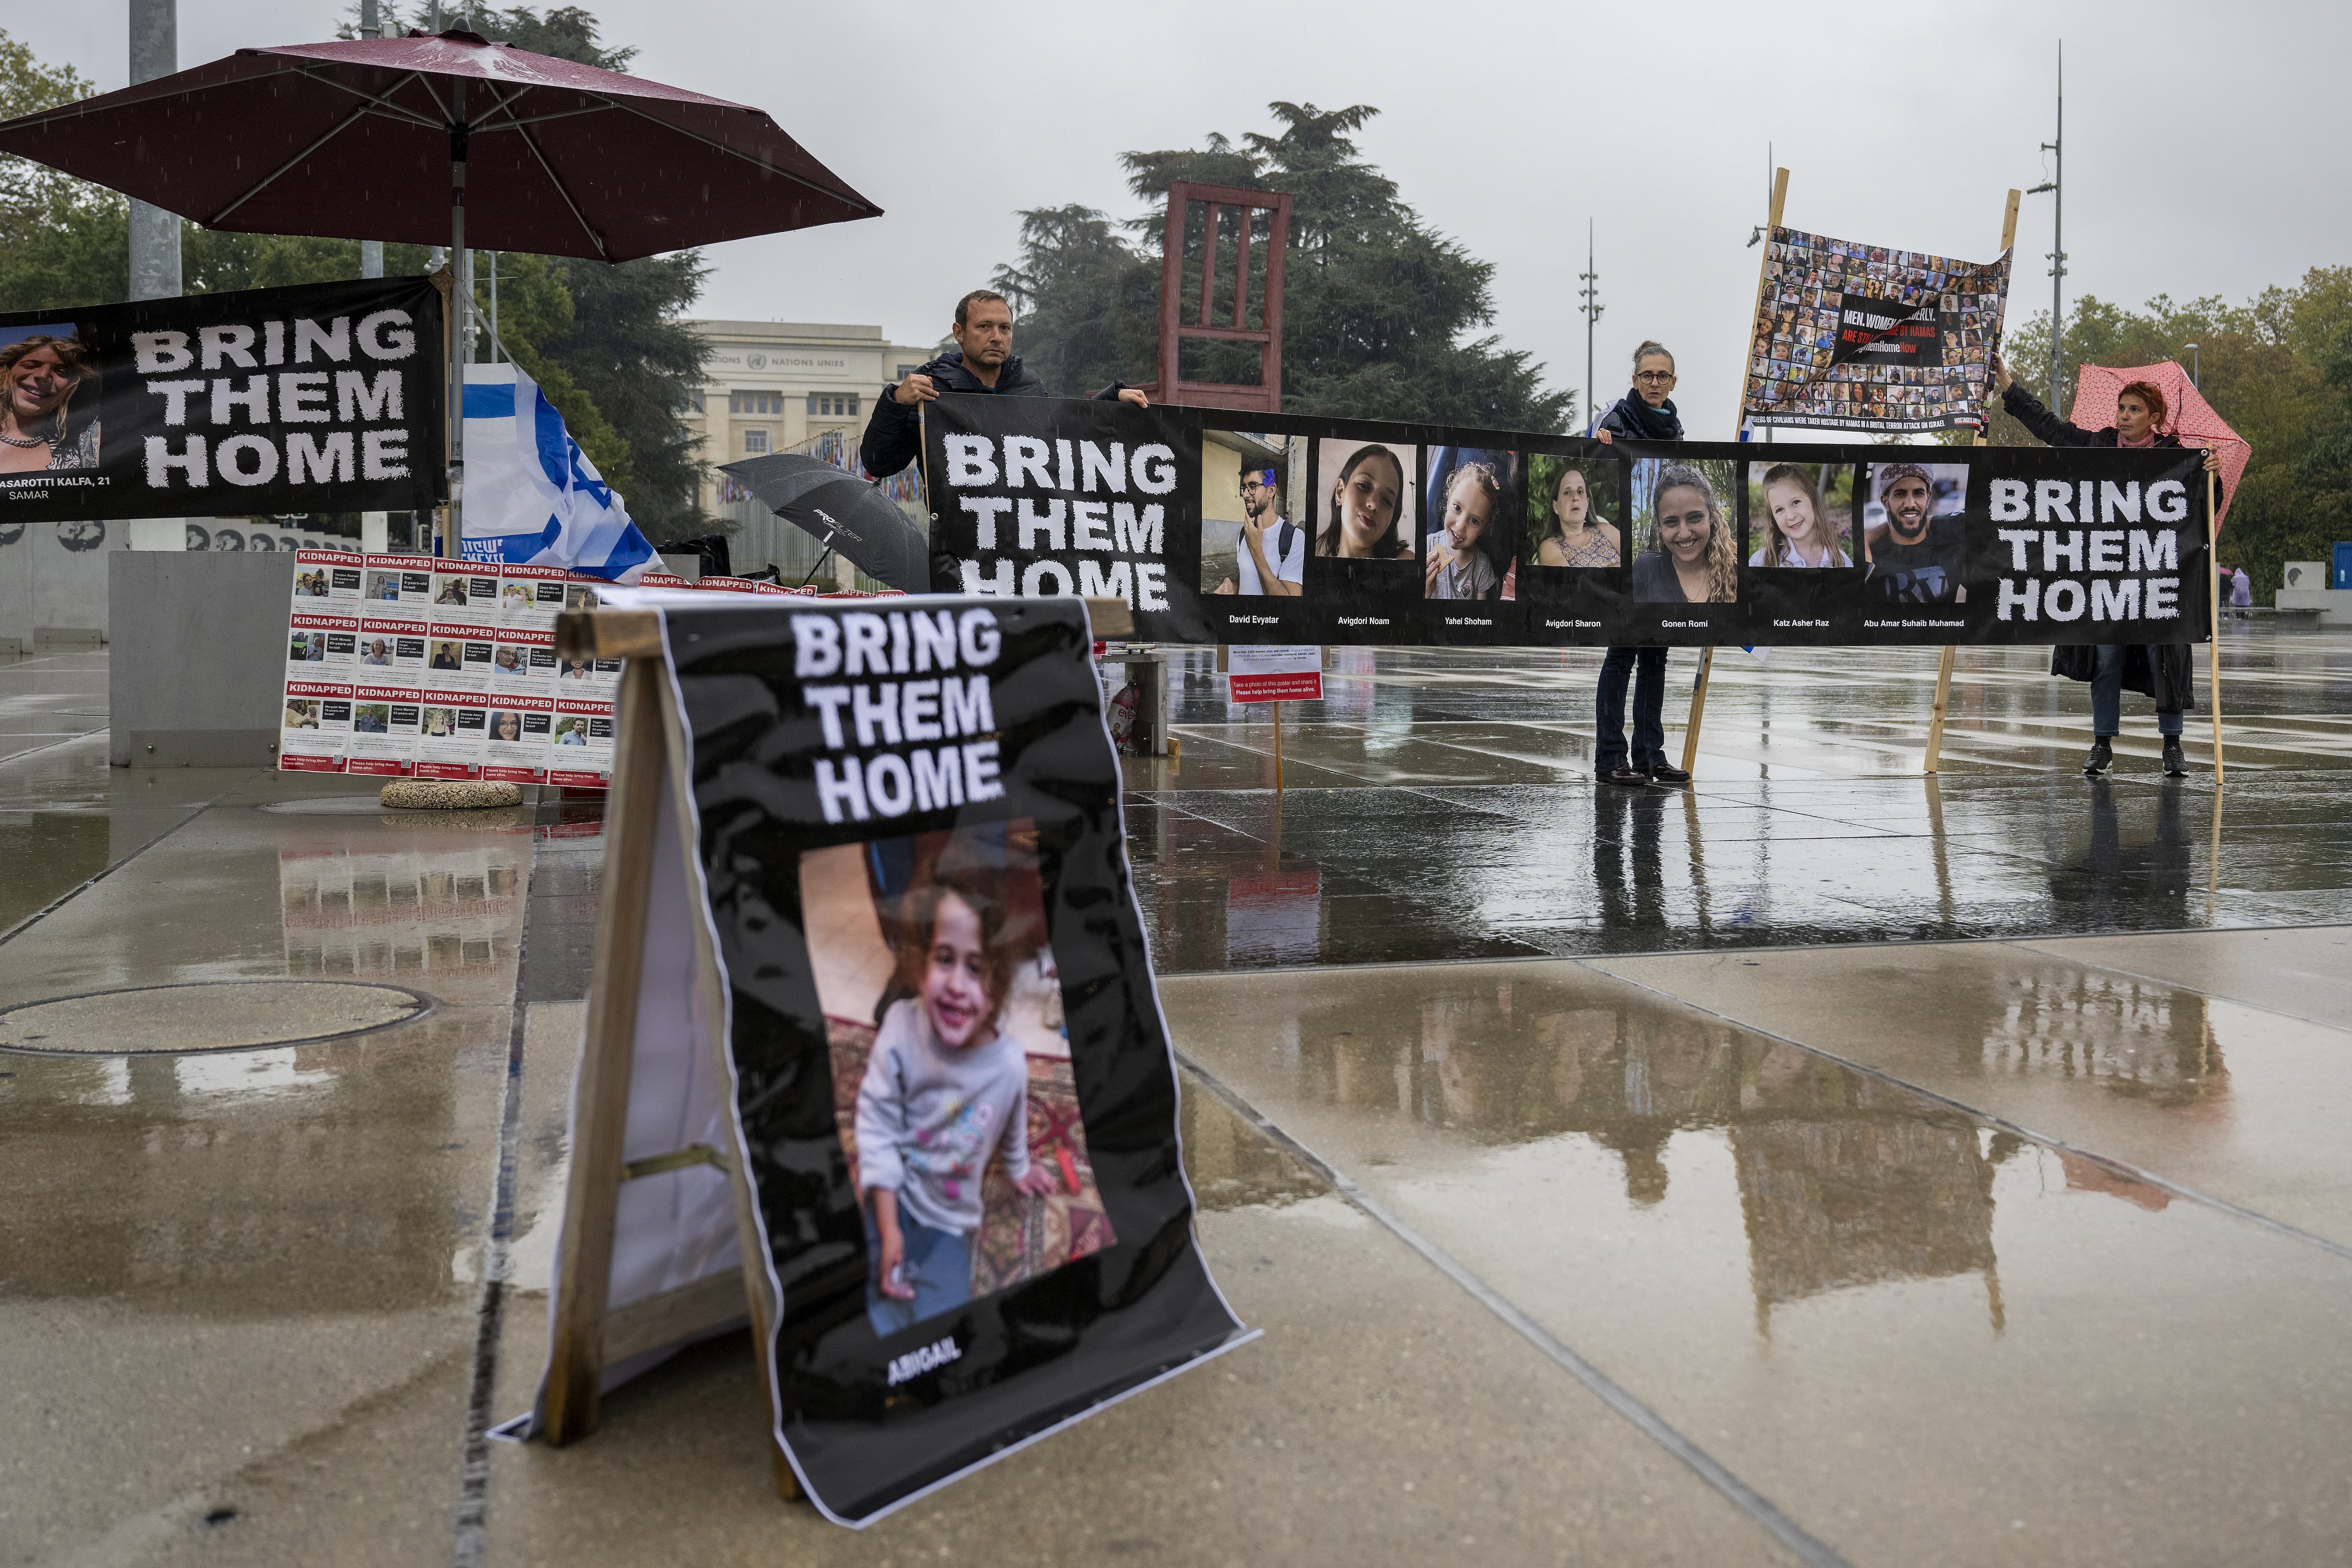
(1951, 653)
(1698, 709)
(1943, 702)
(584, 1258)
(2213, 613)
(1277, 748)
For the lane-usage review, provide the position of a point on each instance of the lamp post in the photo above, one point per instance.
(1591, 295)
(2196, 366)
(2056, 187)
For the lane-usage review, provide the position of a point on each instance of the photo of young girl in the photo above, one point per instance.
(1801, 514)
(1566, 497)
(952, 1085)
(1365, 510)
(1467, 539)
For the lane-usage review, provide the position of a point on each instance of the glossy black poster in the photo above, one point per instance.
(1350, 533)
(271, 402)
(951, 1074)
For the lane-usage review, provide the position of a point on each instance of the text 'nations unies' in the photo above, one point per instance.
(1119, 546)
(939, 705)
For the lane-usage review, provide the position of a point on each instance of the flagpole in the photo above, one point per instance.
(1952, 650)
(1763, 270)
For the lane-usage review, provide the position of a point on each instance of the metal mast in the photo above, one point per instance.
(1591, 295)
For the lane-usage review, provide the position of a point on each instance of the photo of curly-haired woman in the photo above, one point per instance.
(48, 402)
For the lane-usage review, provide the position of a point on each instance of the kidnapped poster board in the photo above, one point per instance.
(868, 927)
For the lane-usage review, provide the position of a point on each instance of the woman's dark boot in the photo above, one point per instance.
(2176, 764)
(2101, 759)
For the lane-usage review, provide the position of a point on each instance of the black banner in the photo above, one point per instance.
(1278, 529)
(952, 1081)
(274, 401)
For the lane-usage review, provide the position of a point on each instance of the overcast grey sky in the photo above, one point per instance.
(2206, 147)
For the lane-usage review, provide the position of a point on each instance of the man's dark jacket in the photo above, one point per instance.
(2163, 671)
(894, 436)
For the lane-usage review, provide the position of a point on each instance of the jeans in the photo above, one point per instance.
(2107, 696)
(939, 1265)
(1649, 709)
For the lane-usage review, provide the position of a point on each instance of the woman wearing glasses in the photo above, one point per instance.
(1645, 414)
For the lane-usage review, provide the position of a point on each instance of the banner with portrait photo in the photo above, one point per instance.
(268, 401)
(1868, 338)
(1419, 535)
(945, 1082)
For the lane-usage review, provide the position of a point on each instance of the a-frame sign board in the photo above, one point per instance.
(703, 1017)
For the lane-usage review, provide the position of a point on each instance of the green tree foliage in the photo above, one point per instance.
(1378, 307)
(607, 343)
(2278, 368)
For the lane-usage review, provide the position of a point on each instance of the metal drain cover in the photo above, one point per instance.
(222, 1015)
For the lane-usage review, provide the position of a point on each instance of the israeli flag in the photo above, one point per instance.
(532, 498)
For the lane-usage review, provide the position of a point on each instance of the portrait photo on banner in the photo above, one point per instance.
(953, 1087)
(1800, 515)
(1470, 526)
(49, 399)
(1569, 505)
(1367, 500)
(1685, 530)
(1253, 542)
(1913, 537)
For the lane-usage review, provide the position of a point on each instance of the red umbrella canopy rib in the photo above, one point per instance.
(354, 141)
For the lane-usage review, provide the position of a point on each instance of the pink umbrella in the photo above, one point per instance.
(2189, 415)
(384, 138)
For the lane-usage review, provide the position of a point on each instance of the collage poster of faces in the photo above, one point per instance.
(1862, 337)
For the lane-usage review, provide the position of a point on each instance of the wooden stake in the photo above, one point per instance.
(1951, 653)
(584, 1259)
(1699, 710)
(1943, 701)
(1277, 748)
(1763, 269)
(2213, 615)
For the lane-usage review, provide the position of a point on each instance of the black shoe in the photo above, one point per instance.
(1663, 774)
(1634, 777)
(2101, 759)
(2176, 764)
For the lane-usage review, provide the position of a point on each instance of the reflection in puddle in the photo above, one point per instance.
(2140, 1039)
(367, 910)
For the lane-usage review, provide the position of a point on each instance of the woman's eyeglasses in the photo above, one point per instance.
(1654, 377)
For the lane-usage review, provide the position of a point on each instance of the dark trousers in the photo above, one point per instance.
(1649, 709)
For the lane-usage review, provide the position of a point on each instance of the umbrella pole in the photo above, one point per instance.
(461, 300)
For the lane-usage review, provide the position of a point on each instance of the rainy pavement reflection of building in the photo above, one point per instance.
(193, 1175)
(1845, 1180)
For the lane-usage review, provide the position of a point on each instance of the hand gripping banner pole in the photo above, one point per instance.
(1755, 309)
(1952, 650)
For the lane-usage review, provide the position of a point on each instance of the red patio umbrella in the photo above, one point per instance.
(385, 138)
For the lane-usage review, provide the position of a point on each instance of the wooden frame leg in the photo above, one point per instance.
(1943, 705)
(1697, 710)
(585, 1261)
(2213, 619)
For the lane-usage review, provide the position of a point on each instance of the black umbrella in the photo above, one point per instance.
(842, 513)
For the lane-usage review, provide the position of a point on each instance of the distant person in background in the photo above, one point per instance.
(1269, 564)
(2164, 672)
(1647, 413)
(2241, 595)
(982, 361)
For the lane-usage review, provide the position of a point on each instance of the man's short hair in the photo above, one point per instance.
(978, 297)
(1891, 474)
(1268, 474)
